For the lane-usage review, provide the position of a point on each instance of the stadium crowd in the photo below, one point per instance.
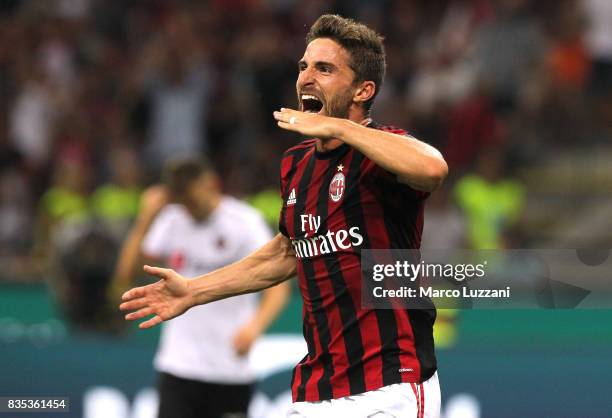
(94, 95)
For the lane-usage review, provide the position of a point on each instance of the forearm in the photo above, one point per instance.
(414, 162)
(130, 256)
(271, 264)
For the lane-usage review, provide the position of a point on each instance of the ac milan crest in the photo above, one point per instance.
(336, 187)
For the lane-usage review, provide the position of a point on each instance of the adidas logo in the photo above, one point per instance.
(291, 199)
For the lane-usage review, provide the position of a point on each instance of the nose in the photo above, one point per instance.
(305, 77)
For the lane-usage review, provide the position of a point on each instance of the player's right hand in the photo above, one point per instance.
(168, 298)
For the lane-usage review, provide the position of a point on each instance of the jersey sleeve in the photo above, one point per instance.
(380, 175)
(386, 179)
(156, 242)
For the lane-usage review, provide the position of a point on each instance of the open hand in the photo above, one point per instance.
(307, 124)
(165, 299)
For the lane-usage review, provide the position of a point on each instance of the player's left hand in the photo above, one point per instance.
(166, 299)
(244, 339)
(307, 124)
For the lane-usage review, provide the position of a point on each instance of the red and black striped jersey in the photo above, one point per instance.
(336, 204)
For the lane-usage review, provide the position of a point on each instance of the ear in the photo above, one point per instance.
(365, 91)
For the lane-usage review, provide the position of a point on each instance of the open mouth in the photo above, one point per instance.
(311, 104)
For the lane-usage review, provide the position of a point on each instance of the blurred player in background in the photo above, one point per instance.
(356, 186)
(189, 225)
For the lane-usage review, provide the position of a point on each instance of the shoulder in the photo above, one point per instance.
(172, 213)
(170, 222)
(294, 155)
(367, 163)
(300, 148)
(388, 128)
(240, 211)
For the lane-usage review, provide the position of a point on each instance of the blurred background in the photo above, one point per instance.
(95, 95)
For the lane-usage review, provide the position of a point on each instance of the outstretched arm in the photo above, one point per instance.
(173, 294)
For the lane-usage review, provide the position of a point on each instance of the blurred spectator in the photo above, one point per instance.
(444, 226)
(472, 127)
(444, 76)
(115, 204)
(84, 270)
(491, 202)
(177, 83)
(599, 42)
(32, 118)
(71, 253)
(63, 208)
(78, 234)
(507, 50)
(15, 217)
(568, 59)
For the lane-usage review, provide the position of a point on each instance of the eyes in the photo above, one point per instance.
(321, 67)
(324, 68)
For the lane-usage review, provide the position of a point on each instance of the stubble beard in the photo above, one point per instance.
(339, 105)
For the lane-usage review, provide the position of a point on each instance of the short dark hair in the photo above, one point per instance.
(180, 173)
(364, 45)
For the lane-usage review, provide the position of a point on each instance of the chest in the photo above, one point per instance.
(204, 247)
(322, 195)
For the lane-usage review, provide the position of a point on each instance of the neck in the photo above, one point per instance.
(326, 145)
(201, 214)
(329, 144)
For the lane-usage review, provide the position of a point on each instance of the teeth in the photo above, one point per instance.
(309, 97)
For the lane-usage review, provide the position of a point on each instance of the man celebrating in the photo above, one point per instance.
(356, 186)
